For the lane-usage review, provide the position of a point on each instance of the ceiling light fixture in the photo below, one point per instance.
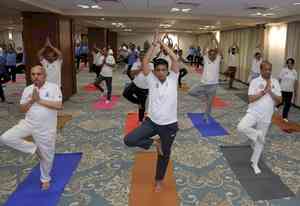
(128, 30)
(165, 25)
(96, 7)
(83, 6)
(187, 10)
(296, 3)
(175, 10)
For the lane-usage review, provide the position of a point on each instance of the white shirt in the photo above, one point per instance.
(107, 70)
(255, 66)
(167, 58)
(94, 56)
(53, 71)
(39, 115)
(233, 60)
(288, 78)
(264, 107)
(140, 79)
(99, 58)
(162, 108)
(211, 70)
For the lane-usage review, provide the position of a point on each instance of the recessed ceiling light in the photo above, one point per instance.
(175, 9)
(296, 3)
(114, 23)
(186, 10)
(96, 7)
(102, 19)
(268, 14)
(83, 6)
(128, 30)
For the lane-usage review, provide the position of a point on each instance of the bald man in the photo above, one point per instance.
(264, 93)
(40, 101)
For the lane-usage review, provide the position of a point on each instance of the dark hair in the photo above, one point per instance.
(160, 61)
(257, 53)
(290, 59)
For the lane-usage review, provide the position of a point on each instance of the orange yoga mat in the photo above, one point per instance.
(142, 186)
(218, 103)
(131, 122)
(288, 127)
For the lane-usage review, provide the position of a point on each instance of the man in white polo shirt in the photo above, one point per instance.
(51, 59)
(137, 91)
(162, 111)
(264, 94)
(40, 101)
(210, 79)
(108, 63)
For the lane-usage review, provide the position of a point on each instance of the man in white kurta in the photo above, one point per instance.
(40, 101)
(264, 94)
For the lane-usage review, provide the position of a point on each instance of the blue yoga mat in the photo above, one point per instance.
(29, 192)
(210, 129)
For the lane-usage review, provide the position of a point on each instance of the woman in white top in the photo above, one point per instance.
(255, 66)
(288, 79)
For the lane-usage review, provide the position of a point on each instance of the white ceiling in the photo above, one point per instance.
(146, 15)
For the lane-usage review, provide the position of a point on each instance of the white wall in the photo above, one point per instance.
(184, 40)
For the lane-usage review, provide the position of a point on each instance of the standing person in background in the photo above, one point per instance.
(11, 62)
(98, 60)
(288, 79)
(51, 59)
(210, 78)
(77, 55)
(84, 52)
(198, 56)
(264, 94)
(20, 60)
(233, 63)
(106, 74)
(182, 71)
(255, 66)
(132, 57)
(3, 72)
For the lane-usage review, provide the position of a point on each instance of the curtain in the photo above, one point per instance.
(292, 50)
(247, 41)
(203, 40)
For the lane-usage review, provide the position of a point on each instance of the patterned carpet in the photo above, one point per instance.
(203, 176)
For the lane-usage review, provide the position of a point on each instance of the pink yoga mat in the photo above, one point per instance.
(100, 104)
(90, 88)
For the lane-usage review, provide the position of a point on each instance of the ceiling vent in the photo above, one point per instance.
(194, 3)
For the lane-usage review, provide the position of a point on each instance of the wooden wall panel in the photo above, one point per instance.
(112, 40)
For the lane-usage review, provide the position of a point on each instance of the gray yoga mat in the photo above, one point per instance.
(243, 96)
(265, 186)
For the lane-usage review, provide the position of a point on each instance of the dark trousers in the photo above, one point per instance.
(128, 72)
(84, 58)
(97, 70)
(231, 74)
(108, 81)
(140, 137)
(137, 96)
(182, 73)
(286, 102)
(77, 62)
(190, 58)
(2, 97)
(12, 71)
(198, 60)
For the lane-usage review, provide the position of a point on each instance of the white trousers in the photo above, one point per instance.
(251, 126)
(44, 140)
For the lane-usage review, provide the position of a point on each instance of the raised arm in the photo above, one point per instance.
(175, 65)
(146, 60)
(56, 50)
(42, 50)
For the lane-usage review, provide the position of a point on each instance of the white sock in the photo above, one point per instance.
(255, 168)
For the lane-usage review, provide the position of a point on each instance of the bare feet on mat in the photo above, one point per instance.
(158, 186)
(45, 185)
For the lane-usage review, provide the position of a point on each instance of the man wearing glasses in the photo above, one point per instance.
(40, 101)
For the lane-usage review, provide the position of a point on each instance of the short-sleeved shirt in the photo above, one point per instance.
(53, 71)
(162, 108)
(211, 70)
(11, 59)
(263, 108)
(39, 115)
(233, 60)
(288, 78)
(255, 66)
(140, 79)
(99, 59)
(107, 70)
